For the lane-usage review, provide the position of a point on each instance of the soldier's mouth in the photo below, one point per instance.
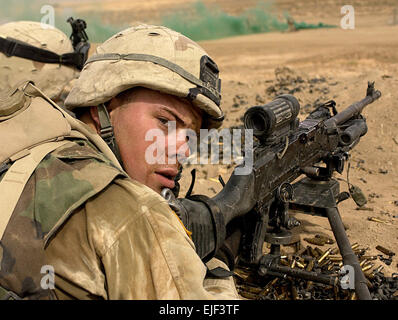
(166, 177)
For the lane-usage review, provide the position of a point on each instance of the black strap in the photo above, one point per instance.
(218, 272)
(106, 131)
(12, 47)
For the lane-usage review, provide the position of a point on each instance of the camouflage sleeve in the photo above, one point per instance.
(126, 243)
(154, 258)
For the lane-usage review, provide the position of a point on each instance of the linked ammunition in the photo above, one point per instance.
(268, 287)
(385, 250)
(369, 274)
(335, 258)
(251, 289)
(301, 252)
(299, 264)
(297, 245)
(310, 265)
(369, 284)
(284, 262)
(319, 251)
(363, 262)
(248, 295)
(360, 252)
(313, 252)
(369, 257)
(354, 246)
(299, 259)
(378, 269)
(327, 252)
(307, 258)
(316, 266)
(367, 266)
(240, 274)
(323, 263)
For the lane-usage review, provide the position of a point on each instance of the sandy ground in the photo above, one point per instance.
(345, 60)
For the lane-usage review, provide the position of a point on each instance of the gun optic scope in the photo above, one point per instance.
(269, 118)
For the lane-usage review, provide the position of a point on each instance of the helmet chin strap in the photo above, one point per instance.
(106, 131)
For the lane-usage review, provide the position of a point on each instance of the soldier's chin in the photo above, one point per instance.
(155, 186)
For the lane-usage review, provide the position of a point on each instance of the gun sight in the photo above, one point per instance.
(274, 119)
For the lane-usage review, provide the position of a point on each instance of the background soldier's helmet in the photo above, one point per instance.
(52, 78)
(153, 57)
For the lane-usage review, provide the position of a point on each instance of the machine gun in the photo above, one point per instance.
(288, 149)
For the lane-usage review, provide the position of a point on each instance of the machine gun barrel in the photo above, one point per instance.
(356, 108)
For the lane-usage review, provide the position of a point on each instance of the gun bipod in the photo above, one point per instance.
(319, 197)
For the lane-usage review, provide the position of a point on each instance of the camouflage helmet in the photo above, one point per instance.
(153, 57)
(52, 78)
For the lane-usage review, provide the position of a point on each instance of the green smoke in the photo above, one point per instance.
(198, 22)
(97, 30)
(204, 23)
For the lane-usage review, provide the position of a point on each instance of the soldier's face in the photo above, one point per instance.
(151, 132)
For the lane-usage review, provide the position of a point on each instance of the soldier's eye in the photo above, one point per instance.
(163, 121)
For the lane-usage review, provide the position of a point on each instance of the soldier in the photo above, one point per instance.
(29, 51)
(94, 217)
